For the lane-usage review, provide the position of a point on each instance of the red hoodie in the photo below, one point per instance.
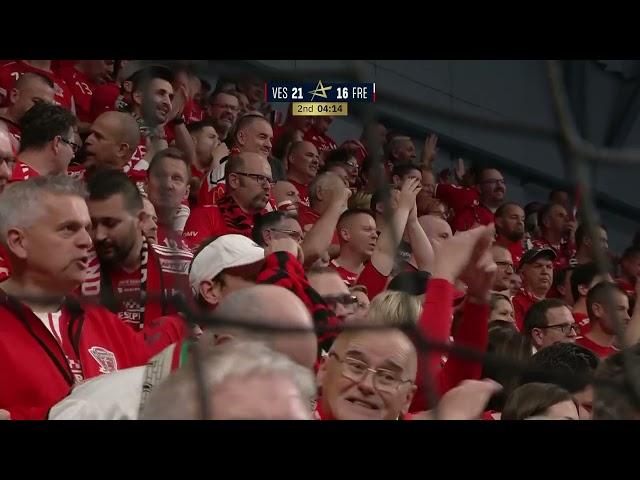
(38, 369)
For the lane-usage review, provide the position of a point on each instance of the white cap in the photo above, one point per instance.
(227, 251)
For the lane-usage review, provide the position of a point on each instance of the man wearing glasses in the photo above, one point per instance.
(223, 111)
(47, 144)
(502, 257)
(475, 205)
(368, 375)
(248, 184)
(550, 321)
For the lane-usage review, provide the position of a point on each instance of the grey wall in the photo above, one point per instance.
(504, 89)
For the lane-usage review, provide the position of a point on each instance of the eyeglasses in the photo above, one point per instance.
(346, 300)
(297, 236)
(505, 265)
(74, 146)
(566, 328)
(261, 179)
(495, 181)
(226, 107)
(356, 370)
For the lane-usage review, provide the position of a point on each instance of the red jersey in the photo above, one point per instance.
(11, 71)
(303, 191)
(44, 356)
(172, 239)
(522, 302)
(370, 277)
(582, 320)
(22, 171)
(565, 252)
(104, 99)
(214, 220)
(599, 350)
(82, 89)
(465, 202)
(321, 141)
(141, 295)
(516, 249)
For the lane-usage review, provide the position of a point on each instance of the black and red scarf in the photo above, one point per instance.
(235, 218)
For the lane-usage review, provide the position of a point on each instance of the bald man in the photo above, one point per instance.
(351, 391)
(436, 229)
(286, 195)
(119, 396)
(302, 167)
(113, 138)
(30, 89)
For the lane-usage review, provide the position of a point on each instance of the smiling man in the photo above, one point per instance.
(303, 162)
(368, 375)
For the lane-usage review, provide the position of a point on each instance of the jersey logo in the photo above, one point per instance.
(105, 358)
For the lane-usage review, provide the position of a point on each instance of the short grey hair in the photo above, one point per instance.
(321, 181)
(177, 399)
(22, 203)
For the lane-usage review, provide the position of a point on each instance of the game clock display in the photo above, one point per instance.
(321, 98)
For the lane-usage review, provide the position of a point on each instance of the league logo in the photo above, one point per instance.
(105, 358)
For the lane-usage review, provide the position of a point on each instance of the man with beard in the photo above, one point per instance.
(158, 111)
(536, 270)
(303, 162)
(134, 279)
(555, 233)
(248, 186)
(475, 205)
(223, 112)
(510, 229)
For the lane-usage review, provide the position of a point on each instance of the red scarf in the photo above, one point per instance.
(235, 218)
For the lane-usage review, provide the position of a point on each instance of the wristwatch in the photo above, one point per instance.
(178, 120)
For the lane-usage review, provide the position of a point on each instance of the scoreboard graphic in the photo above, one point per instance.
(321, 98)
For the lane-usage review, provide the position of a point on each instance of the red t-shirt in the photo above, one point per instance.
(5, 266)
(11, 71)
(582, 320)
(82, 89)
(599, 350)
(346, 275)
(370, 277)
(303, 191)
(522, 302)
(516, 249)
(126, 289)
(104, 99)
(465, 202)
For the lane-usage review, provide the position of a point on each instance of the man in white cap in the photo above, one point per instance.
(225, 268)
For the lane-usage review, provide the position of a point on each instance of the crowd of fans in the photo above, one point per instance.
(136, 198)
